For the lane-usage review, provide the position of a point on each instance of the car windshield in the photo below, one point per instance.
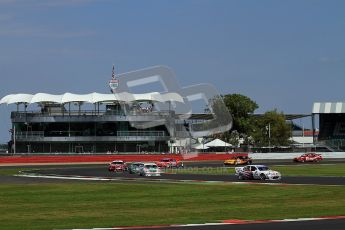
(165, 160)
(264, 168)
(118, 163)
(150, 166)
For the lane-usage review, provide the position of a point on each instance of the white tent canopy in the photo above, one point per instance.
(89, 98)
(200, 146)
(17, 98)
(218, 143)
(44, 97)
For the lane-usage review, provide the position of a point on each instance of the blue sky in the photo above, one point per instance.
(282, 54)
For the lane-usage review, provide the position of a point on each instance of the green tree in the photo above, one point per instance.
(271, 129)
(241, 107)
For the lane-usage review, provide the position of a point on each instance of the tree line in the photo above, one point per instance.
(269, 129)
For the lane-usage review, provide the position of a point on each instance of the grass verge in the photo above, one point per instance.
(11, 171)
(90, 205)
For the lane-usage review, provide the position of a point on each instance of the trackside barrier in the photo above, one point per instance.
(284, 156)
(108, 158)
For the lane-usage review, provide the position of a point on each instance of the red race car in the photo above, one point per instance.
(117, 166)
(169, 163)
(308, 157)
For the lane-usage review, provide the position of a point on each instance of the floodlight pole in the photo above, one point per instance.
(269, 136)
(190, 140)
(14, 140)
(313, 126)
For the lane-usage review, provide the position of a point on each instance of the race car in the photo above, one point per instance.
(117, 166)
(169, 163)
(239, 160)
(149, 169)
(256, 172)
(308, 157)
(134, 168)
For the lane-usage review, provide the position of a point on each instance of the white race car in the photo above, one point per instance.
(149, 169)
(257, 172)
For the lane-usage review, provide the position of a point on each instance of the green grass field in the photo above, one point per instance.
(108, 204)
(10, 171)
(288, 170)
(89, 205)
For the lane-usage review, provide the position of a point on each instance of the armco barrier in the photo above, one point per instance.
(24, 159)
(109, 158)
(285, 156)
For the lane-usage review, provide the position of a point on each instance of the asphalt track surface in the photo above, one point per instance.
(101, 171)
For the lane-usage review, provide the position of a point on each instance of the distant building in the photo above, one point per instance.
(61, 125)
(331, 123)
(302, 137)
(119, 121)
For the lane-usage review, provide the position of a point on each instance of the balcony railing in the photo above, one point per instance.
(141, 133)
(86, 113)
(40, 134)
(29, 134)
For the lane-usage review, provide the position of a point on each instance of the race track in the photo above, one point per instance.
(102, 172)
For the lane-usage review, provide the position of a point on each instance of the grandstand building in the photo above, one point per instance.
(60, 124)
(331, 116)
(119, 121)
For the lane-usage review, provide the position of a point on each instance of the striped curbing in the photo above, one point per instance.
(224, 222)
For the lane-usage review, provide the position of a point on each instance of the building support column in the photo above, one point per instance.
(313, 126)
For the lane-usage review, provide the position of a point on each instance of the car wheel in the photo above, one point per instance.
(262, 177)
(240, 177)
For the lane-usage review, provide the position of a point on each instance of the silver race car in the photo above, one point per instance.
(257, 172)
(149, 169)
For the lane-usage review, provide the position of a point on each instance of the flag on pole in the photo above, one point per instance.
(113, 83)
(113, 73)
